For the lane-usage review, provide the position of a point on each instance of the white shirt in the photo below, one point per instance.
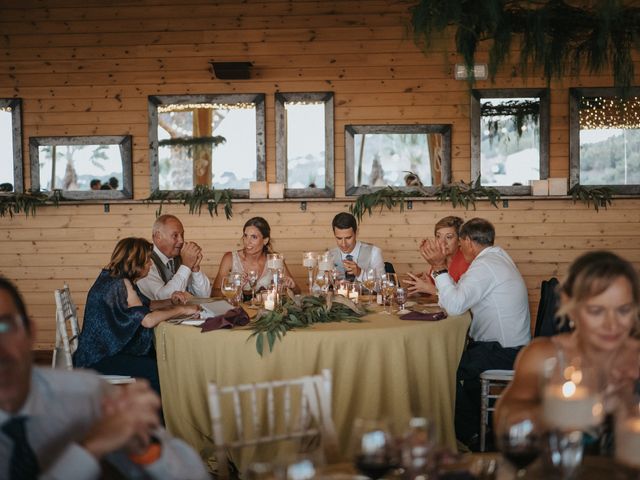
(365, 262)
(493, 289)
(152, 286)
(61, 408)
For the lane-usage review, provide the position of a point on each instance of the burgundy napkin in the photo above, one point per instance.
(427, 317)
(234, 317)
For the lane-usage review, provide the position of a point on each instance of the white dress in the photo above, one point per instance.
(263, 282)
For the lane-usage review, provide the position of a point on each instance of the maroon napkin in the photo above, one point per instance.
(234, 317)
(427, 317)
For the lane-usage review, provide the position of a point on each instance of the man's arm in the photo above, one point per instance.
(200, 286)
(154, 288)
(470, 289)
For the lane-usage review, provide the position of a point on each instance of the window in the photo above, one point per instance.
(396, 155)
(213, 140)
(510, 138)
(91, 167)
(304, 143)
(11, 145)
(605, 139)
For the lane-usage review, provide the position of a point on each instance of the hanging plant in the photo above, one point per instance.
(552, 34)
(198, 197)
(192, 141)
(301, 312)
(598, 196)
(466, 194)
(28, 202)
(385, 197)
(518, 111)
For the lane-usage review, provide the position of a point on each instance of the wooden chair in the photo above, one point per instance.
(67, 333)
(302, 404)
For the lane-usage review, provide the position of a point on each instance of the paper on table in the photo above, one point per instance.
(196, 322)
(213, 309)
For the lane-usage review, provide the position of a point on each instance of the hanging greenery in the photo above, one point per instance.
(198, 197)
(553, 34)
(28, 202)
(192, 141)
(458, 193)
(598, 196)
(518, 111)
(301, 312)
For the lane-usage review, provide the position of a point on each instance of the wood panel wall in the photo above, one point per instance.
(87, 67)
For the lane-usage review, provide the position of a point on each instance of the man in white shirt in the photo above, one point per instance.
(351, 257)
(176, 263)
(58, 424)
(495, 292)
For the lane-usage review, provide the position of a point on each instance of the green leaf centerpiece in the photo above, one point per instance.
(301, 312)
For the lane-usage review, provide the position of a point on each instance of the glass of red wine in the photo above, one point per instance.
(518, 439)
(374, 451)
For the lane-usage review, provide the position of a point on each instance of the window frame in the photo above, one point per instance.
(123, 141)
(351, 130)
(281, 144)
(476, 137)
(575, 94)
(16, 126)
(156, 100)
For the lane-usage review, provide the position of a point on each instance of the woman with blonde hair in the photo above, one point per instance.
(600, 296)
(256, 244)
(447, 234)
(117, 331)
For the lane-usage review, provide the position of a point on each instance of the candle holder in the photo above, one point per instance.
(324, 262)
(627, 434)
(275, 264)
(310, 262)
(354, 292)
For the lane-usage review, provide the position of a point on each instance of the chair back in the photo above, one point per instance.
(66, 329)
(388, 267)
(296, 409)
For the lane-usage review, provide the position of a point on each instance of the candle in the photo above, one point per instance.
(353, 296)
(275, 263)
(270, 302)
(342, 291)
(628, 442)
(324, 265)
(570, 406)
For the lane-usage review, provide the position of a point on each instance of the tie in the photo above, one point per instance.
(349, 276)
(23, 464)
(171, 266)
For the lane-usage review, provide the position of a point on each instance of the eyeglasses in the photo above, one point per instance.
(11, 323)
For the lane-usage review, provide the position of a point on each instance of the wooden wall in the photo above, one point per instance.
(86, 67)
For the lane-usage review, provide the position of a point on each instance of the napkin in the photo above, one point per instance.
(427, 317)
(234, 317)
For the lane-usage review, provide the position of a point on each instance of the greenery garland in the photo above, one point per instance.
(458, 193)
(195, 199)
(28, 202)
(598, 196)
(301, 312)
(192, 141)
(554, 34)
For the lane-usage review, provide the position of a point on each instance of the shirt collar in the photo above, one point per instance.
(354, 253)
(161, 255)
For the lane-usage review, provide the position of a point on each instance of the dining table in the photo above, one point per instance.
(383, 367)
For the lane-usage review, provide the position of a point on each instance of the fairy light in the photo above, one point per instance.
(303, 102)
(181, 107)
(609, 112)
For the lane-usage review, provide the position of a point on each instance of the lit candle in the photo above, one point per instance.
(275, 263)
(570, 406)
(343, 291)
(324, 265)
(270, 302)
(353, 296)
(628, 442)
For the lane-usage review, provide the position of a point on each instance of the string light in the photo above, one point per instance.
(303, 102)
(180, 107)
(609, 112)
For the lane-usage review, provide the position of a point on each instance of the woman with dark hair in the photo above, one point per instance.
(256, 241)
(447, 233)
(117, 331)
(601, 297)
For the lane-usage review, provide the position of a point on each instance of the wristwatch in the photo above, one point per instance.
(435, 273)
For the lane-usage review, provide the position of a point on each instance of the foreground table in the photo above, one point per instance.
(383, 367)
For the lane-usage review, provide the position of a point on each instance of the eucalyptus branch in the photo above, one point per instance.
(598, 196)
(195, 199)
(466, 194)
(28, 202)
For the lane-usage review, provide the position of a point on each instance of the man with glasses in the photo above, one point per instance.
(61, 424)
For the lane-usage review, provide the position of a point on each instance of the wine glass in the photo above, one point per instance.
(518, 439)
(252, 278)
(229, 288)
(401, 298)
(369, 281)
(389, 286)
(321, 279)
(373, 448)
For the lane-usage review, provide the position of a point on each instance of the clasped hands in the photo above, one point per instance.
(191, 255)
(434, 253)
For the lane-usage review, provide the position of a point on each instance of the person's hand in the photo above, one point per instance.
(419, 284)
(288, 282)
(196, 266)
(351, 267)
(434, 252)
(180, 298)
(129, 415)
(191, 311)
(189, 254)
